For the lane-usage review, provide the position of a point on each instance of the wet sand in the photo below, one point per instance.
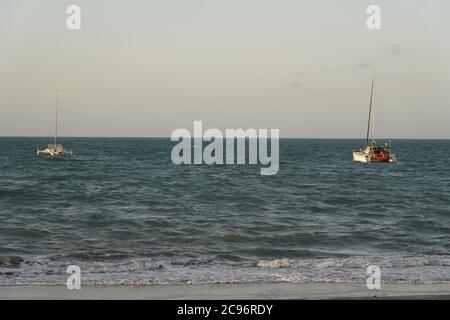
(233, 291)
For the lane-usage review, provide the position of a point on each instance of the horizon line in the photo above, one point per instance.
(168, 137)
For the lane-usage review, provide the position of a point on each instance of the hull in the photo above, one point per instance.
(360, 157)
(392, 158)
(54, 150)
(48, 153)
(368, 157)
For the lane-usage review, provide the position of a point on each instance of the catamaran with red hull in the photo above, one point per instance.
(372, 152)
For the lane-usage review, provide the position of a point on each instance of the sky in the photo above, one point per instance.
(145, 68)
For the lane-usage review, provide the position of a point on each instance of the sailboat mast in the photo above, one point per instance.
(373, 114)
(56, 116)
(370, 112)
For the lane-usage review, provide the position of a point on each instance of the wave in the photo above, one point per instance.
(23, 232)
(148, 271)
(357, 262)
(10, 261)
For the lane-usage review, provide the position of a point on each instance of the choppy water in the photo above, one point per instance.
(125, 214)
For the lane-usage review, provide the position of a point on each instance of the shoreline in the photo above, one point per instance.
(258, 291)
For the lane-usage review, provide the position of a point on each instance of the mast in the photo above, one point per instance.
(373, 112)
(370, 112)
(56, 116)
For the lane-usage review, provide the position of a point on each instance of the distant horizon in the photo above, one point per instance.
(168, 137)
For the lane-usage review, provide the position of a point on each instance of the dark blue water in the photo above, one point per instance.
(125, 214)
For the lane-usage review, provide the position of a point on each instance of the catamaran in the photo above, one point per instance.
(372, 152)
(55, 149)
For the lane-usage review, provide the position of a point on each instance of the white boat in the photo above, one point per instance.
(372, 152)
(55, 149)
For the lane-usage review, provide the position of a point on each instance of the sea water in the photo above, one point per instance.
(125, 214)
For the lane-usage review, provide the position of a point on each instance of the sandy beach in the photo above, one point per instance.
(232, 291)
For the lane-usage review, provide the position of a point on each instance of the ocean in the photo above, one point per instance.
(125, 214)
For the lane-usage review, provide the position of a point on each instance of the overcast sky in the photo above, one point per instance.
(145, 68)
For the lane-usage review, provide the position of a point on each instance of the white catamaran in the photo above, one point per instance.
(55, 150)
(372, 152)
